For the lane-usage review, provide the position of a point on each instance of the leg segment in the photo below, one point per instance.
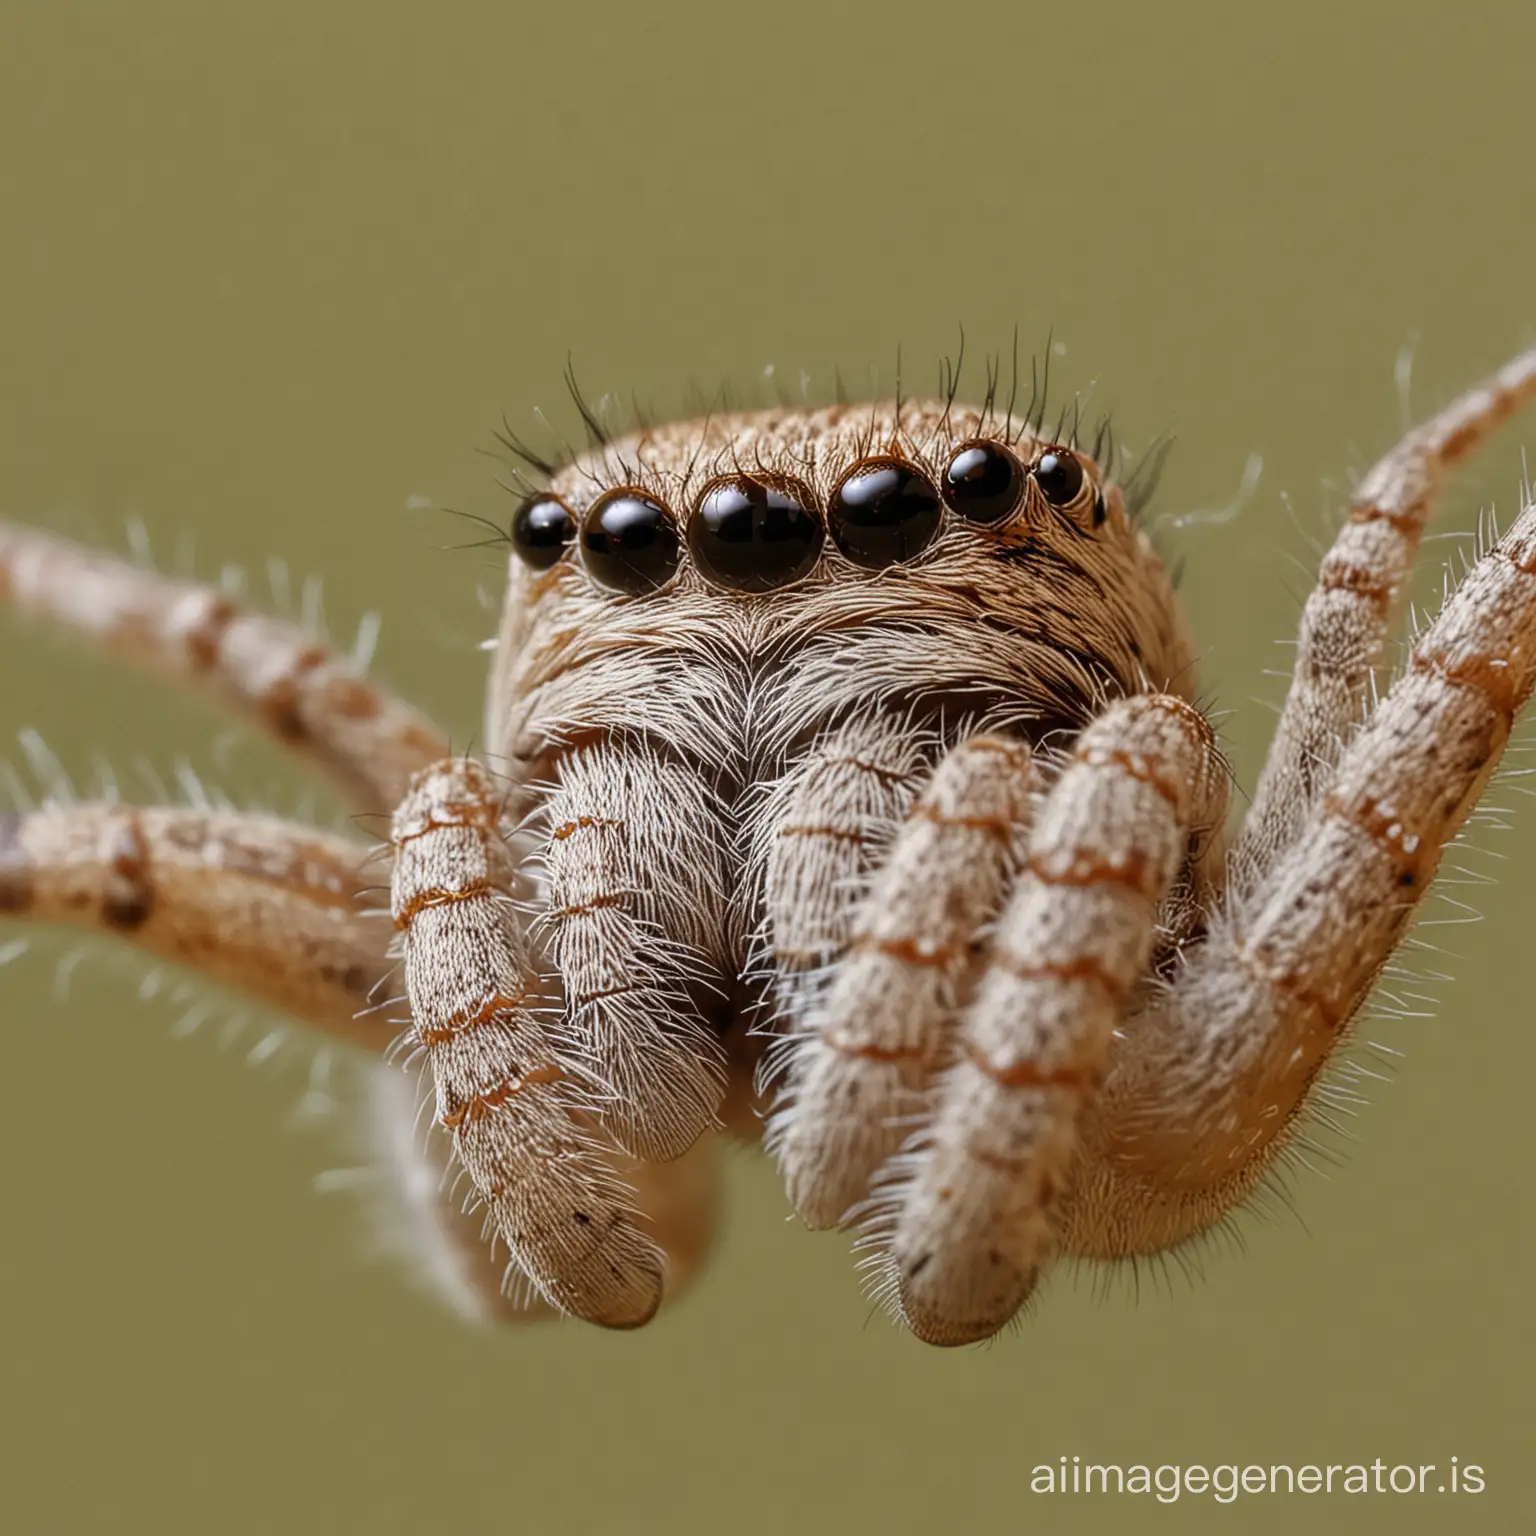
(975, 1199)
(1348, 617)
(279, 674)
(421, 1216)
(517, 1113)
(821, 830)
(637, 928)
(1205, 1087)
(448, 1243)
(263, 905)
(860, 1077)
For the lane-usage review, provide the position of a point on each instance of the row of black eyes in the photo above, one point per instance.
(753, 534)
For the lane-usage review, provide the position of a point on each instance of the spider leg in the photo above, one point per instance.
(447, 1239)
(1349, 614)
(422, 1215)
(861, 1075)
(520, 1117)
(973, 1200)
(275, 672)
(1206, 1084)
(637, 925)
(261, 904)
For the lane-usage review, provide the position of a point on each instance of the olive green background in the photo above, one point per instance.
(267, 272)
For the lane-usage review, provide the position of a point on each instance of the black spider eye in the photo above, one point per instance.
(754, 535)
(541, 528)
(1059, 475)
(983, 482)
(629, 542)
(883, 511)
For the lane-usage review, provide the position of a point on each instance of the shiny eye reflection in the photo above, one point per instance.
(629, 542)
(983, 482)
(541, 529)
(754, 535)
(1059, 474)
(883, 512)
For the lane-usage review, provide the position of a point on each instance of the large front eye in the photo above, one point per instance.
(983, 482)
(754, 535)
(882, 512)
(629, 542)
(1059, 474)
(541, 528)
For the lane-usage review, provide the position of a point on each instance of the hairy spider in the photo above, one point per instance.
(842, 767)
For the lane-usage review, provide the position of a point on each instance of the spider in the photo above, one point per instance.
(844, 786)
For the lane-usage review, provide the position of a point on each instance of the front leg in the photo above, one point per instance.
(974, 1201)
(1206, 1087)
(859, 1077)
(422, 1216)
(520, 1116)
(1350, 612)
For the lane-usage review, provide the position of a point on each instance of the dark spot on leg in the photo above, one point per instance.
(128, 910)
(281, 702)
(206, 637)
(129, 896)
(281, 707)
(582, 1217)
(15, 871)
(347, 696)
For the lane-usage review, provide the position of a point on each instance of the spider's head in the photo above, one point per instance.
(751, 499)
(1009, 567)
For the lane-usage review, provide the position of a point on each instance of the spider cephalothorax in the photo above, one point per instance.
(921, 558)
(841, 766)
